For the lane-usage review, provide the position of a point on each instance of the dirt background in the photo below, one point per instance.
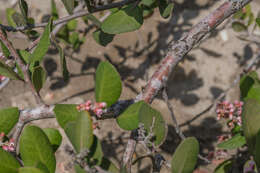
(207, 71)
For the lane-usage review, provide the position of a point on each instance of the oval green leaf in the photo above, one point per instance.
(251, 121)
(108, 84)
(38, 78)
(69, 5)
(65, 113)
(8, 118)
(35, 147)
(80, 132)
(185, 157)
(258, 21)
(165, 8)
(43, 44)
(150, 117)
(78, 169)
(96, 154)
(54, 137)
(127, 19)
(257, 150)
(7, 71)
(102, 38)
(233, 143)
(8, 164)
(129, 119)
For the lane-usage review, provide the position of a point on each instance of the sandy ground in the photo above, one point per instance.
(206, 72)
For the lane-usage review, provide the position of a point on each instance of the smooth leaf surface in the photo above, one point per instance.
(35, 147)
(233, 143)
(38, 78)
(152, 118)
(127, 19)
(69, 5)
(65, 113)
(80, 132)
(43, 45)
(224, 167)
(8, 164)
(18, 19)
(7, 71)
(129, 119)
(165, 8)
(108, 84)
(8, 118)
(185, 157)
(251, 121)
(54, 12)
(4, 49)
(9, 13)
(102, 38)
(30, 170)
(54, 137)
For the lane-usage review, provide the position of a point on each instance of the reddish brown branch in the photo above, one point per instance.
(177, 51)
(23, 67)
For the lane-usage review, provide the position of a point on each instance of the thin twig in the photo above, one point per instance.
(70, 17)
(23, 67)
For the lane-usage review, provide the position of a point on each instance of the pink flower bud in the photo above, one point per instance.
(5, 147)
(102, 104)
(2, 134)
(87, 108)
(98, 112)
(88, 103)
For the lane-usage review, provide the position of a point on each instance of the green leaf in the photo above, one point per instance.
(72, 25)
(78, 169)
(165, 8)
(43, 45)
(18, 19)
(102, 38)
(233, 143)
(257, 149)
(65, 113)
(30, 170)
(151, 117)
(108, 84)
(257, 20)
(224, 167)
(54, 137)
(80, 132)
(9, 13)
(8, 164)
(239, 27)
(185, 157)
(251, 121)
(95, 156)
(35, 147)
(38, 78)
(148, 2)
(7, 71)
(5, 50)
(246, 83)
(63, 62)
(129, 119)
(54, 12)
(127, 19)
(8, 118)
(24, 8)
(69, 5)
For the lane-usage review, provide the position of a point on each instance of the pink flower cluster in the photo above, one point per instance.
(7, 146)
(2, 78)
(231, 111)
(97, 108)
